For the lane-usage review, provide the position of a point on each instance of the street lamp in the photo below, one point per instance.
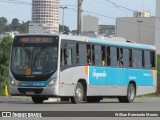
(63, 18)
(139, 21)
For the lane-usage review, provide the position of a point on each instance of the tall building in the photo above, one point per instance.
(90, 23)
(158, 8)
(46, 12)
(157, 25)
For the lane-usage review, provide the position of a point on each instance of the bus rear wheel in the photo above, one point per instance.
(37, 100)
(78, 94)
(131, 92)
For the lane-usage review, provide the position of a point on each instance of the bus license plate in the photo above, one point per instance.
(30, 93)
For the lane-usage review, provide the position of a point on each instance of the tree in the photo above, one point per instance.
(66, 29)
(3, 21)
(15, 24)
(3, 24)
(24, 27)
(5, 47)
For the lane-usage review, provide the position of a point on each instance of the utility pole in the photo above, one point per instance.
(79, 22)
(63, 18)
(139, 21)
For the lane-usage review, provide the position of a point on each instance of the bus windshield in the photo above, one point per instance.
(34, 60)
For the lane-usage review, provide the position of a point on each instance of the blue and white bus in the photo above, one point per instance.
(80, 69)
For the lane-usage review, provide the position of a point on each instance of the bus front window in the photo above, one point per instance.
(39, 60)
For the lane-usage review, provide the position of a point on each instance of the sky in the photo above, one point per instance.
(98, 8)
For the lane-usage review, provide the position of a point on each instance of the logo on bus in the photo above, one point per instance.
(98, 75)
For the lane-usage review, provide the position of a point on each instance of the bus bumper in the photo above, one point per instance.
(31, 91)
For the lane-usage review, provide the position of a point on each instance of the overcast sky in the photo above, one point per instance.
(102, 7)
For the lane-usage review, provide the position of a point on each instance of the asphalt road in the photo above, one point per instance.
(110, 104)
(140, 104)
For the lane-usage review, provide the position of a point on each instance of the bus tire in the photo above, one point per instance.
(131, 92)
(37, 100)
(78, 94)
(94, 99)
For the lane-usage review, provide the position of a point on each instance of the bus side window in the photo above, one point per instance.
(77, 53)
(143, 59)
(108, 56)
(104, 61)
(82, 54)
(152, 60)
(93, 55)
(89, 60)
(130, 58)
(126, 57)
(120, 57)
(67, 56)
(114, 56)
(98, 55)
(147, 59)
(62, 57)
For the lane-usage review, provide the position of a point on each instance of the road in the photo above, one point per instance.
(110, 104)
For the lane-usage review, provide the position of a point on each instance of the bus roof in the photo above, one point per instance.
(114, 41)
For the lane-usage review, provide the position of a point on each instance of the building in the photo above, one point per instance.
(139, 29)
(46, 13)
(107, 30)
(90, 24)
(158, 8)
(38, 28)
(142, 14)
(157, 33)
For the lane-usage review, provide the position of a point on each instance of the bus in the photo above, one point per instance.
(80, 69)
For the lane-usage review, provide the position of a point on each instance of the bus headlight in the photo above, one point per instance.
(14, 82)
(52, 82)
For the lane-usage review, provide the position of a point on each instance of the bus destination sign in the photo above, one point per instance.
(35, 40)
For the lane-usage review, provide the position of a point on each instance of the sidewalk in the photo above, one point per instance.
(18, 99)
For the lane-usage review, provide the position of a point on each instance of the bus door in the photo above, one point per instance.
(68, 60)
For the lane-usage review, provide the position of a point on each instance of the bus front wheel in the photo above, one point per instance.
(131, 92)
(78, 94)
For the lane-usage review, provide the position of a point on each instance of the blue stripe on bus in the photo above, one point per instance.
(124, 44)
(119, 76)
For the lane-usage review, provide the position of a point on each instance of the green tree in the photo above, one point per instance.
(24, 27)
(15, 24)
(66, 29)
(158, 70)
(3, 24)
(5, 47)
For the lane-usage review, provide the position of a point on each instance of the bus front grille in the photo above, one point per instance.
(30, 90)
